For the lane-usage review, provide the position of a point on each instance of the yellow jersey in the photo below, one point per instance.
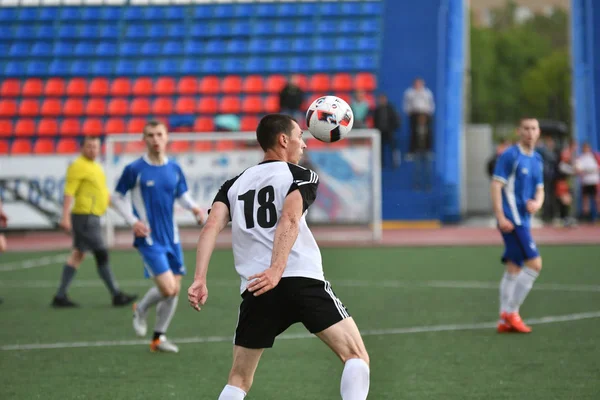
(86, 182)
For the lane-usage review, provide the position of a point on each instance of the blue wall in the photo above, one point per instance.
(425, 41)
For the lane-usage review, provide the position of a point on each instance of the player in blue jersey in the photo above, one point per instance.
(517, 192)
(155, 183)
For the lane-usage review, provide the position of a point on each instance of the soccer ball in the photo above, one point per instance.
(329, 119)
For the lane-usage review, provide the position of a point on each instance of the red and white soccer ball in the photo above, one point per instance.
(329, 119)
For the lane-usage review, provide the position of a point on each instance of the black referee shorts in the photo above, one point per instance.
(293, 300)
(87, 232)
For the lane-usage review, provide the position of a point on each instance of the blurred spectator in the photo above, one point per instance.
(360, 109)
(500, 148)
(387, 121)
(227, 123)
(587, 167)
(547, 149)
(418, 100)
(422, 154)
(291, 98)
(562, 188)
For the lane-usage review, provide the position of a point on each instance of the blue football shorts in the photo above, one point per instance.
(159, 259)
(519, 246)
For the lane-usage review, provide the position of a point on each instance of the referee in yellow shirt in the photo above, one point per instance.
(85, 185)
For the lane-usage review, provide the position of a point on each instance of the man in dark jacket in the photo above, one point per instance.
(387, 121)
(291, 98)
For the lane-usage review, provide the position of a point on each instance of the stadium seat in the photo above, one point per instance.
(187, 85)
(99, 87)
(8, 108)
(230, 105)
(134, 147)
(21, 146)
(146, 67)
(25, 127)
(77, 87)
(29, 108)
(41, 49)
(3, 147)
(10, 88)
(234, 66)
(179, 146)
(208, 105)
(59, 68)
(125, 67)
(319, 83)
(164, 86)
(43, 146)
(114, 125)
(73, 107)
(54, 87)
(32, 87)
(142, 87)
(70, 127)
(66, 146)
(47, 127)
(365, 81)
(209, 85)
(342, 82)
(51, 108)
(140, 106)
(135, 125)
(185, 105)
(120, 87)
(204, 124)
(118, 106)
(272, 104)
(253, 84)
(6, 128)
(252, 105)
(93, 126)
(172, 48)
(231, 84)
(95, 107)
(275, 83)
(249, 123)
(162, 106)
(79, 68)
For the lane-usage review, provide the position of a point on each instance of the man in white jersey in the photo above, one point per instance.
(278, 261)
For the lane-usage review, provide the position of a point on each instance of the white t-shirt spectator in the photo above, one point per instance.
(590, 173)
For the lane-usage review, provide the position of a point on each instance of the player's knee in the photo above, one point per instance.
(101, 257)
(76, 258)
(535, 264)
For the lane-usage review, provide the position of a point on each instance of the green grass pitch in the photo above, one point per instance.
(435, 291)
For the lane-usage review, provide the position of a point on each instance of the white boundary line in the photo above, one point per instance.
(33, 262)
(375, 332)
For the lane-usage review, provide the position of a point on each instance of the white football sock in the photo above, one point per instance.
(523, 284)
(152, 296)
(355, 380)
(232, 393)
(164, 313)
(507, 287)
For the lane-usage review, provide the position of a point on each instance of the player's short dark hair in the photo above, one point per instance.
(89, 137)
(272, 125)
(153, 124)
(525, 118)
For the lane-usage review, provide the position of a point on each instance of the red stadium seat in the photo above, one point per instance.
(32, 88)
(275, 83)
(187, 85)
(202, 145)
(51, 108)
(179, 146)
(249, 123)
(365, 81)
(209, 85)
(204, 124)
(342, 82)
(43, 146)
(135, 147)
(65, 146)
(95, 107)
(98, 87)
(140, 106)
(164, 86)
(302, 81)
(142, 87)
(73, 107)
(8, 108)
(207, 105)
(230, 105)
(54, 87)
(118, 107)
(25, 127)
(77, 87)
(21, 146)
(162, 106)
(47, 127)
(185, 105)
(93, 126)
(6, 128)
(120, 87)
(254, 84)
(225, 145)
(29, 108)
(115, 125)
(319, 83)
(70, 127)
(272, 104)
(135, 125)
(231, 84)
(10, 88)
(3, 147)
(252, 105)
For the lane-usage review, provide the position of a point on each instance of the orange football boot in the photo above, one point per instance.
(515, 321)
(503, 327)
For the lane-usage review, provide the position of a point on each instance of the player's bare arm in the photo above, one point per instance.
(216, 222)
(285, 236)
(65, 221)
(536, 204)
(496, 193)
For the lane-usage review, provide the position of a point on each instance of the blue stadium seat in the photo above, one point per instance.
(158, 31)
(48, 14)
(323, 44)
(149, 49)
(64, 49)
(41, 49)
(234, 66)
(263, 28)
(278, 65)
(81, 68)
(243, 10)
(14, 68)
(125, 67)
(84, 49)
(256, 66)
(106, 49)
(344, 63)
(366, 63)
(220, 29)
(349, 9)
(6, 32)
(19, 49)
(280, 45)
(223, 11)
(369, 26)
(321, 64)
(8, 14)
(102, 68)
(146, 67)
(302, 45)
(91, 14)
(129, 49)
(110, 13)
(109, 32)
(199, 30)
(211, 67)
(237, 47)
(327, 27)
(367, 44)
(241, 28)
(135, 32)
(267, 10)
(203, 12)
(28, 14)
(300, 64)
(67, 32)
(287, 10)
(168, 67)
(176, 31)
(175, 13)
(172, 48)
(70, 13)
(215, 47)
(89, 32)
(304, 28)
(133, 13)
(190, 66)
(346, 44)
(45, 32)
(284, 28)
(154, 13)
(4, 48)
(330, 9)
(307, 9)
(58, 68)
(193, 48)
(372, 8)
(347, 26)
(25, 32)
(257, 46)
(37, 68)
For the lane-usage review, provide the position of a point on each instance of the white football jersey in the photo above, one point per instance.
(255, 199)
